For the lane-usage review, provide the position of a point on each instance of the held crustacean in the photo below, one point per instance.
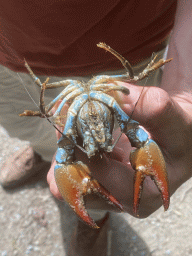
(91, 116)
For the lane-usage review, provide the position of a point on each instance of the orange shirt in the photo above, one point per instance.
(59, 37)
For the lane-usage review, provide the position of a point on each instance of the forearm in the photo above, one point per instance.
(177, 77)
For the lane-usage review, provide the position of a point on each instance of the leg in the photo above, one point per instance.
(63, 83)
(109, 87)
(70, 96)
(41, 113)
(45, 111)
(107, 79)
(73, 88)
(124, 62)
(23, 161)
(129, 77)
(86, 241)
(13, 100)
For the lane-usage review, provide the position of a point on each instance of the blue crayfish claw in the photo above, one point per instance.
(149, 161)
(74, 181)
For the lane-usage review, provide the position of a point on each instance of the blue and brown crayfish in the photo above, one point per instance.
(91, 116)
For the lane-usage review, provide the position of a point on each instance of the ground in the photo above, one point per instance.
(33, 223)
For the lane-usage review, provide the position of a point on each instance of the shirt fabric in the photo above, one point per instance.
(59, 37)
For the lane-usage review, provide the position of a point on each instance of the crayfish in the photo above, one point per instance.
(91, 116)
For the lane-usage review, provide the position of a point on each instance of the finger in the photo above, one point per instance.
(148, 104)
(122, 149)
(52, 184)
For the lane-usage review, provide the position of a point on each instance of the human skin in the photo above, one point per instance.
(166, 113)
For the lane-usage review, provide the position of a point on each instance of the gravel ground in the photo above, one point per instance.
(33, 223)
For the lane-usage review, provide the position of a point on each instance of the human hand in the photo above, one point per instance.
(169, 122)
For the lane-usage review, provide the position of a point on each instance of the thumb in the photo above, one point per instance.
(147, 105)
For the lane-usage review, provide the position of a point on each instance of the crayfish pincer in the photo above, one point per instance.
(91, 116)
